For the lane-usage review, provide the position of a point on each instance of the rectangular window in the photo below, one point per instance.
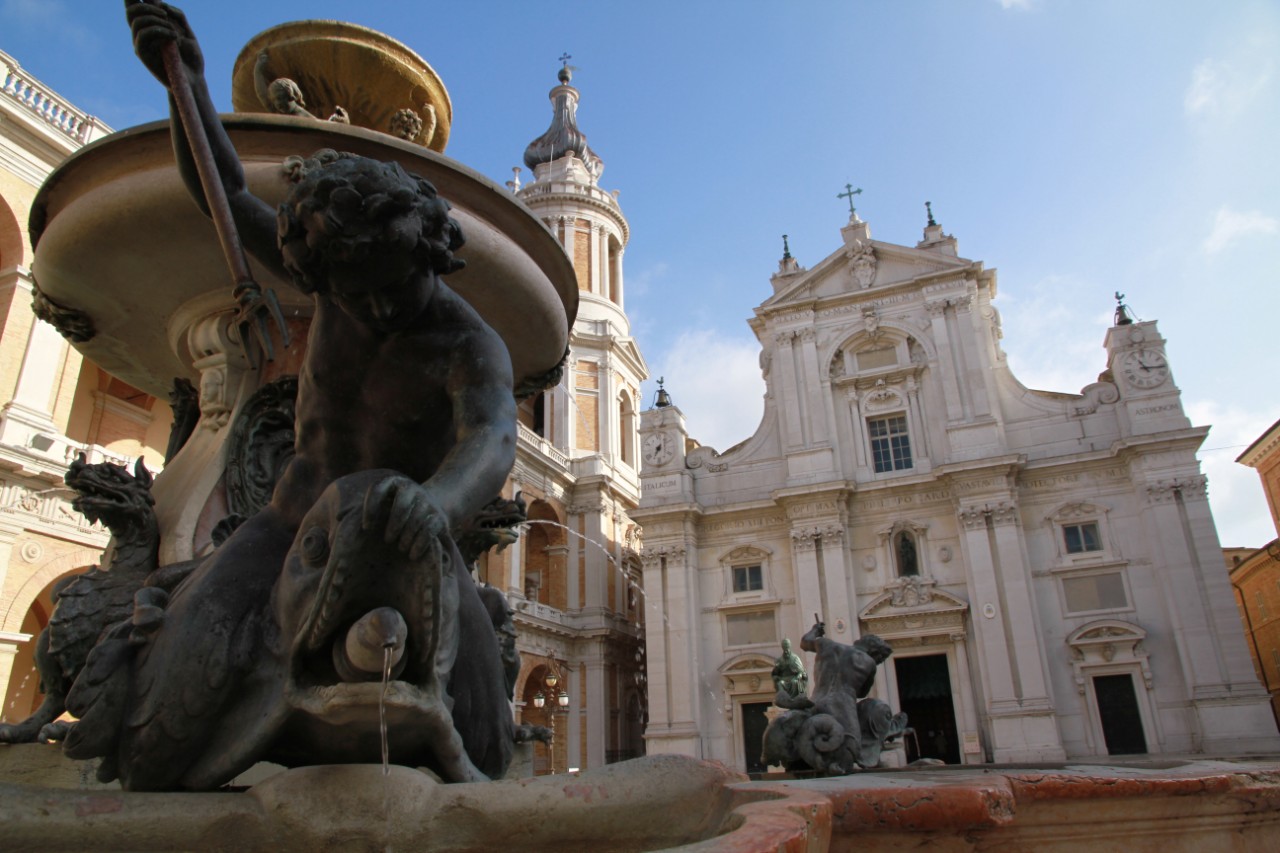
(748, 629)
(873, 358)
(1095, 592)
(1082, 537)
(747, 579)
(890, 444)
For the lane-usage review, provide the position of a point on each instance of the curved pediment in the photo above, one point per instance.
(746, 663)
(1105, 631)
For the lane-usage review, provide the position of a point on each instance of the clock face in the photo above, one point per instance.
(658, 449)
(1145, 368)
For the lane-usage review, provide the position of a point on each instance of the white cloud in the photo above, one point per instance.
(1235, 491)
(1223, 88)
(1015, 4)
(1231, 225)
(715, 380)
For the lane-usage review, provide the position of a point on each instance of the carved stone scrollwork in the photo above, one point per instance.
(1095, 395)
(73, 324)
(784, 339)
(704, 456)
(260, 446)
(862, 262)
(837, 368)
(882, 397)
(871, 321)
(936, 307)
(220, 360)
(910, 591)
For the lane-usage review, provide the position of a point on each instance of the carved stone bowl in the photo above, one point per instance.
(337, 64)
(118, 238)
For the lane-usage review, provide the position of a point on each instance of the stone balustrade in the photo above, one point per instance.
(536, 443)
(21, 88)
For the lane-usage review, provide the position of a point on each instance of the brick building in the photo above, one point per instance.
(1255, 575)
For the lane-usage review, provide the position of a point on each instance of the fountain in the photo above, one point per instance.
(326, 622)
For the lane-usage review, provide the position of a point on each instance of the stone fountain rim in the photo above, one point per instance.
(482, 199)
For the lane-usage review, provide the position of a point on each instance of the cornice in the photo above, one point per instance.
(1265, 445)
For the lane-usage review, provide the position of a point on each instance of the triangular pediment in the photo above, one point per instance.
(867, 267)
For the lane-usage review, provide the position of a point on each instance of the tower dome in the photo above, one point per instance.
(563, 136)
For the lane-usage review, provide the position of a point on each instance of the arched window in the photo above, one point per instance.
(627, 429)
(540, 414)
(904, 554)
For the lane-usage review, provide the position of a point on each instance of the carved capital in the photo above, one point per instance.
(784, 339)
(804, 539)
(936, 307)
(808, 335)
(651, 558)
(1166, 491)
(975, 517)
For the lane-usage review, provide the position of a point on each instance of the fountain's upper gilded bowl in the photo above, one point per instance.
(336, 64)
(118, 237)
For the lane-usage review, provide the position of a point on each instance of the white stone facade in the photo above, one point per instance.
(574, 577)
(1044, 564)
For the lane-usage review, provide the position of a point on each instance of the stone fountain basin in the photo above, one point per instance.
(667, 802)
(117, 237)
(648, 804)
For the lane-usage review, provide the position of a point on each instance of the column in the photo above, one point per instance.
(814, 409)
(30, 412)
(593, 258)
(597, 710)
(600, 260)
(784, 383)
(810, 596)
(937, 309)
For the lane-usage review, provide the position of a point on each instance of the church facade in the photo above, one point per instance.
(1045, 565)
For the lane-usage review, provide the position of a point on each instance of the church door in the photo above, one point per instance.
(924, 692)
(1118, 709)
(754, 723)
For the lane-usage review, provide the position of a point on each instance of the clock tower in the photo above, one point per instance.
(1149, 400)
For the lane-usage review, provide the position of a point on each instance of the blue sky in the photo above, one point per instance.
(1078, 147)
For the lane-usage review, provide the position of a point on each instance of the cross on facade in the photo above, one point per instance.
(849, 194)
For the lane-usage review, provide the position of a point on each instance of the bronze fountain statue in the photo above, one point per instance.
(345, 599)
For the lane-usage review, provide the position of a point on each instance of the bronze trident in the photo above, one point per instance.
(252, 301)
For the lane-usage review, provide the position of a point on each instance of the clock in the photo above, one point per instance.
(1145, 368)
(657, 449)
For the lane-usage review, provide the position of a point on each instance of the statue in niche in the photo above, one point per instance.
(839, 729)
(789, 678)
(273, 647)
